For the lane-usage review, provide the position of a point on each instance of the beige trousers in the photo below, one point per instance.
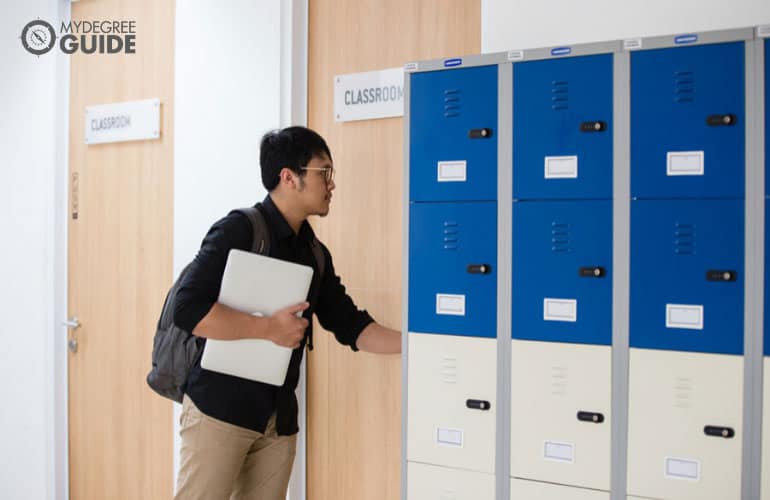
(224, 461)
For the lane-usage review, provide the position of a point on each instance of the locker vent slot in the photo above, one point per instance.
(452, 103)
(451, 235)
(683, 392)
(559, 379)
(448, 370)
(684, 86)
(559, 95)
(560, 237)
(684, 238)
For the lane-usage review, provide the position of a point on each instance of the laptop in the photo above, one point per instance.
(258, 285)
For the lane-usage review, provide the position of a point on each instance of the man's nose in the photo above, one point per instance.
(331, 185)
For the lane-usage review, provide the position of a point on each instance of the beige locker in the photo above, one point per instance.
(673, 398)
(765, 487)
(560, 413)
(432, 482)
(451, 401)
(532, 490)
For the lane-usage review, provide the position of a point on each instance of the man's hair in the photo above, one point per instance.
(291, 147)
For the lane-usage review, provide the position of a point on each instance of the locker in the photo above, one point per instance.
(688, 121)
(560, 413)
(767, 114)
(453, 135)
(765, 487)
(532, 490)
(451, 401)
(429, 482)
(562, 128)
(453, 268)
(687, 275)
(562, 278)
(684, 426)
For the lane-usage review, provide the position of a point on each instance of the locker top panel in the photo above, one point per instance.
(563, 51)
(687, 39)
(450, 63)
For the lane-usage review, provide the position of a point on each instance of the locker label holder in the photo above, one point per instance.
(559, 452)
(559, 309)
(685, 316)
(684, 163)
(561, 167)
(449, 437)
(450, 304)
(452, 171)
(681, 468)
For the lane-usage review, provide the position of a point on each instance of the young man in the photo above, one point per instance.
(239, 436)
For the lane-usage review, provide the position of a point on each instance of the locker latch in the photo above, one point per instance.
(587, 416)
(593, 126)
(722, 120)
(721, 275)
(592, 272)
(716, 431)
(479, 268)
(480, 133)
(477, 404)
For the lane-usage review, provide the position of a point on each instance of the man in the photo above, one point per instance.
(239, 436)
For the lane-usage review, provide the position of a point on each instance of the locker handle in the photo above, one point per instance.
(592, 272)
(599, 126)
(587, 416)
(727, 120)
(477, 404)
(721, 275)
(480, 133)
(479, 268)
(716, 431)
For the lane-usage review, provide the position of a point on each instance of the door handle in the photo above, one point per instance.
(71, 323)
(479, 268)
(721, 275)
(592, 272)
(598, 126)
(717, 431)
(589, 416)
(727, 120)
(477, 404)
(480, 133)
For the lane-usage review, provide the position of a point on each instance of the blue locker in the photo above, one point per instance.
(562, 128)
(453, 139)
(562, 279)
(687, 275)
(688, 122)
(453, 268)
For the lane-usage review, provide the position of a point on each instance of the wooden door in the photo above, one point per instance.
(120, 265)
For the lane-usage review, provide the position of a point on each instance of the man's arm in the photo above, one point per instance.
(378, 339)
(224, 323)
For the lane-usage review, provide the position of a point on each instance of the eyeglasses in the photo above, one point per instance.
(328, 172)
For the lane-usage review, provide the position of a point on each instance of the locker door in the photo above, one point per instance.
(453, 268)
(767, 114)
(453, 139)
(687, 275)
(562, 128)
(562, 281)
(765, 487)
(532, 490)
(684, 425)
(451, 401)
(560, 418)
(688, 121)
(428, 482)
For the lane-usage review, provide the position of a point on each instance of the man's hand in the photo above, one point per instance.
(285, 328)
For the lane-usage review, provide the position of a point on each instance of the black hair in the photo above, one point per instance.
(291, 147)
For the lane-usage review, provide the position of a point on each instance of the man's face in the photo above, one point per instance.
(315, 191)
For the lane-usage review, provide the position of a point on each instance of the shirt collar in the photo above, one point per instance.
(282, 228)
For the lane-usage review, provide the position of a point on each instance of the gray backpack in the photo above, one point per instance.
(174, 350)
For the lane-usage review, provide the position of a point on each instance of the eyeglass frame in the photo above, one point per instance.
(327, 177)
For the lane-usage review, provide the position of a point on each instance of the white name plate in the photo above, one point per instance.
(370, 95)
(123, 121)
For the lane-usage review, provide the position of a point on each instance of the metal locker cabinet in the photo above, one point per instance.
(452, 268)
(562, 128)
(687, 270)
(560, 413)
(452, 401)
(688, 121)
(684, 428)
(533, 490)
(562, 281)
(453, 143)
(429, 482)
(765, 487)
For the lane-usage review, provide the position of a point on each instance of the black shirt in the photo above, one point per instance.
(236, 400)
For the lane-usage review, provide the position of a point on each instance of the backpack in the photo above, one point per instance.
(174, 350)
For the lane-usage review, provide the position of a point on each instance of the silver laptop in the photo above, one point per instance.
(258, 285)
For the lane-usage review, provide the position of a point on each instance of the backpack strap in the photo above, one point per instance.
(261, 240)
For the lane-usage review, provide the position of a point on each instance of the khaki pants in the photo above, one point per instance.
(223, 461)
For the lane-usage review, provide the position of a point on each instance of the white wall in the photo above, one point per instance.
(522, 24)
(239, 73)
(33, 104)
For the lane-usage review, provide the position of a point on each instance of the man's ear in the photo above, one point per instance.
(288, 177)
